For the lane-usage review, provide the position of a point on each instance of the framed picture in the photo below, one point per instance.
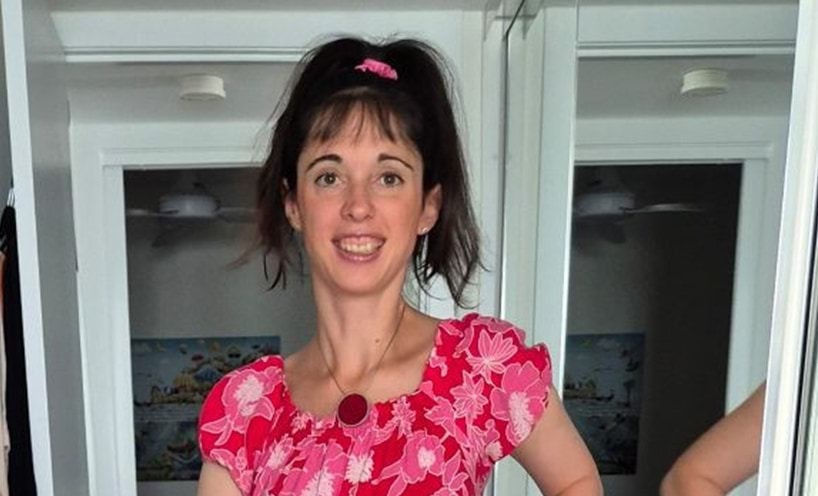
(171, 378)
(603, 396)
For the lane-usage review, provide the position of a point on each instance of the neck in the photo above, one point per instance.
(354, 332)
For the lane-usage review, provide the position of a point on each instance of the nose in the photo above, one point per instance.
(358, 204)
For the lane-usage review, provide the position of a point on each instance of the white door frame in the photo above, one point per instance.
(749, 331)
(116, 456)
(752, 286)
(793, 275)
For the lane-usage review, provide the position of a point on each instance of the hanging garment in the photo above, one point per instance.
(4, 428)
(21, 468)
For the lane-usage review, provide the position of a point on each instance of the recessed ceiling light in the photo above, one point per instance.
(202, 87)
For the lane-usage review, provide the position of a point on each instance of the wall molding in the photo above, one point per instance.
(656, 152)
(187, 54)
(733, 48)
(178, 158)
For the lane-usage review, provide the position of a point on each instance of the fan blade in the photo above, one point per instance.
(661, 208)
(142, 212)
(237, 214)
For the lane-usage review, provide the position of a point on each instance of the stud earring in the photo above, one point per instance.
(423, 230)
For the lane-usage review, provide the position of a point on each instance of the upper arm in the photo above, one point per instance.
(215, 480)
(725, 455)
(228, 420)
(555, 455)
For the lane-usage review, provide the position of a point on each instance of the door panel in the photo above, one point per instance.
(38, 133)
(539, 114)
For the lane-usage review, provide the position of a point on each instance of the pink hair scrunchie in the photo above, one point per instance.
(382, 69)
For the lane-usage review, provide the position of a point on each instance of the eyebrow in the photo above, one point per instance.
(386, 156)
(332, 157)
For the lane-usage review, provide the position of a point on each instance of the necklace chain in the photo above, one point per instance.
(377, 365)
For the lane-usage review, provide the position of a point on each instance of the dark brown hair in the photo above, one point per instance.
(325, 91)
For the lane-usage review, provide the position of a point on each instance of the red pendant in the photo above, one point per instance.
(352, 410)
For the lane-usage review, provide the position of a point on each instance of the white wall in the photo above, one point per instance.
(185, 285)
(5, 150)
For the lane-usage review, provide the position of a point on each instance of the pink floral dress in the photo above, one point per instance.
(481, 394)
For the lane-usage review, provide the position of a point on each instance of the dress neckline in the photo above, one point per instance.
(332, 417)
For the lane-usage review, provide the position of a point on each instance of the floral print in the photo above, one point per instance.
(481, 394)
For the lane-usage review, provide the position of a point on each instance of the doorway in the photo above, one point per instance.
(652, 268)
(199, 306)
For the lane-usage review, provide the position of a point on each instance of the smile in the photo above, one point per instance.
(361, 246)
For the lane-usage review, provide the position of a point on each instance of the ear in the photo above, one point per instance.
(431, 209)
(291, 207)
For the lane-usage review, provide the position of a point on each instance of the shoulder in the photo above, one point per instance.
(244, 383)
(242, 405)
(486, 344)
(245, 395)
(492, 377)
(472, 323)
(491, 349)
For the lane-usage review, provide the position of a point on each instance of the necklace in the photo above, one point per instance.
(354, 407)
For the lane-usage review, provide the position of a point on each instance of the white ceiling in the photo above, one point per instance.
(131, 93)
(136, 5)
(759, 85)
(685, 2)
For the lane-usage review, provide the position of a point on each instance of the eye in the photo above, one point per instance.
(391, 179)
(327, 179)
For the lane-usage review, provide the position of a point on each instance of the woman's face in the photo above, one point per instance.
(359, 205)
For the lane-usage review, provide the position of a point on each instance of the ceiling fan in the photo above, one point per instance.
(605, 203)
(189, 200)
(607, 198)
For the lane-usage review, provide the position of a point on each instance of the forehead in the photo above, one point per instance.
(359, 129)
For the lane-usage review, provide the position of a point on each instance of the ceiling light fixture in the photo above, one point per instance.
(202, 87)
(705, 82)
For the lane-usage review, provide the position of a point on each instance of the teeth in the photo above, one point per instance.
(359, 248)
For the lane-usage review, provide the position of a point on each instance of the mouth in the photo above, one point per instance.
(359, 246)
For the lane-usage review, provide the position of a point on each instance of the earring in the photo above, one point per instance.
(423, 231)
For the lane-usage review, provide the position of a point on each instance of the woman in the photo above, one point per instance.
(366, 169)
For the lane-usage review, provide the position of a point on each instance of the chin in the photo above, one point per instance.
(364, 282)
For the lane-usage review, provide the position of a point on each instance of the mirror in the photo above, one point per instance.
(163, 178)
(638, 229)
(670, 227)
(539, 49)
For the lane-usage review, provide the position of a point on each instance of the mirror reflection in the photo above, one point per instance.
(673, 200)
(626, 162)
(677, 180)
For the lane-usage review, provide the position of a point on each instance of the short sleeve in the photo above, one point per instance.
(235, 417)
(517, 380)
